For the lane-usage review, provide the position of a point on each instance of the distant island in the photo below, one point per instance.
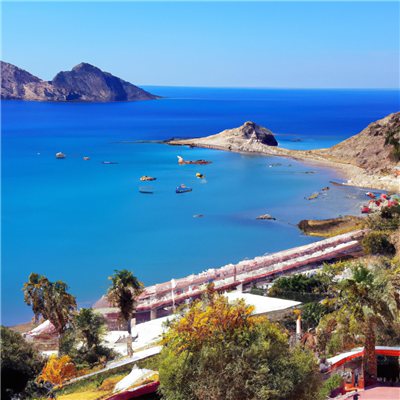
(84, 83)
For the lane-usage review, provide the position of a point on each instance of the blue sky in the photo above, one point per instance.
(297, 44)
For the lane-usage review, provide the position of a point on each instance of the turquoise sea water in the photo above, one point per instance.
(79, 220)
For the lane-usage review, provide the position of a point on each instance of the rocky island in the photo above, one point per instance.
(368, 159)
(84, 83)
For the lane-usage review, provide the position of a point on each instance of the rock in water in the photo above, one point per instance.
(265, 216)
(85, 83)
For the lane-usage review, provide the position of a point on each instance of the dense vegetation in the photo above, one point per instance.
(216, 351)
(20, 362)
(83, 341)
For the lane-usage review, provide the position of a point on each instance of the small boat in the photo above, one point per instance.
(365, 210)
(147, 178)
(146, 189)
(60, 155)
(181, 161)
(86, 158)
(108, 162)
(200, 176)
(183, 189)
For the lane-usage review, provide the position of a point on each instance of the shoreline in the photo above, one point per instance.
(354, 175)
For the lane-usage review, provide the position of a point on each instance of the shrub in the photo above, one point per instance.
(296, 283)
(377, 222)
(332, 383)
(334, 345)
(312, 314)
(378, 243)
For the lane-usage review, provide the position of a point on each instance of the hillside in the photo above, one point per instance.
(84, 83)
(367, 149)
(248, 137)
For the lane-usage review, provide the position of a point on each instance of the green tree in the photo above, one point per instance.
(362, 305)
(217, 350)
(91, 327)
(51, 300)
(122, 293)
(20, 362)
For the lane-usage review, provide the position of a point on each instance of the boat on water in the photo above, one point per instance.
(60, 155)
(108, 162)
(181, 161)
(146, 189)
(200, 176)
(86, 158)
(147, 178)
(183, 189)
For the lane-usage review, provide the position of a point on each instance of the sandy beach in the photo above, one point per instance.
(354, 175)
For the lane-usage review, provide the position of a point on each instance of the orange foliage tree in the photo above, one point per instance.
(58, 370)
(210, 321)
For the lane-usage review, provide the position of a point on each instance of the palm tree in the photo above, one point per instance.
(51, 300)
(366, 301)
(122, 293)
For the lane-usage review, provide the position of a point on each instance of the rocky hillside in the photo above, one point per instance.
(84, 83)
(248, 137)
(367, 149)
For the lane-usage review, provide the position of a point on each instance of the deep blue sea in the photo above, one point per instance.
(79, 220)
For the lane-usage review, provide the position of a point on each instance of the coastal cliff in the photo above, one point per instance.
(366, 159)
(84, 83)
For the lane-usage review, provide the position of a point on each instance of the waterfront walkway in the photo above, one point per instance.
(376, 392)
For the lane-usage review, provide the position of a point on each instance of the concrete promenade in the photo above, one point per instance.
(376, 392)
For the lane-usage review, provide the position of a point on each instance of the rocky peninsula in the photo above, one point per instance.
(366, 159)
(84, 83)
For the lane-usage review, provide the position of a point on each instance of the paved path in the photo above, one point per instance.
(376, 393)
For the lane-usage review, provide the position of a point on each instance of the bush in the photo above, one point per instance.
(296, 283)
(332, 383)
(312, 314)
(334, 345)
(378, 243)
(375, 222)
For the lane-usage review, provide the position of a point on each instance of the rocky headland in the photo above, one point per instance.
(84, 83)
(366, 159)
